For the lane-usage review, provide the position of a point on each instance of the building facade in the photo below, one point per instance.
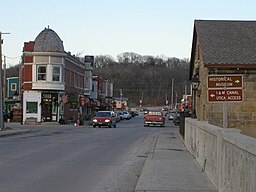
(54, 83)
(102, 93)
(225, 49)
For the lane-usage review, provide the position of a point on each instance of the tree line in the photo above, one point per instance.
(145, 78)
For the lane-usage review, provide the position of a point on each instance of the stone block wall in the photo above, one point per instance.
(227, 157)
(240, 115)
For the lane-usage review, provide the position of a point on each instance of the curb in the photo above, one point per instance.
(5, 133)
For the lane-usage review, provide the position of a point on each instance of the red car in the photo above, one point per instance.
(104, 118)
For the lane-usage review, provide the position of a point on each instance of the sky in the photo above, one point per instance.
(111, 27)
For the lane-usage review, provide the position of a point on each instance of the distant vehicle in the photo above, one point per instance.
(176, 118)
(171, 115)
(134, 113)
(144, 109)
(104, 118)
(154, 118)
(121, 115)
(165, 110)
(118, 117)
(127, 115)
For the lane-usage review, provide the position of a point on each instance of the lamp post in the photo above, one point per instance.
(195, 84)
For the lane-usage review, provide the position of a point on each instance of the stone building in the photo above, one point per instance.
(225, 49)
(54, 83)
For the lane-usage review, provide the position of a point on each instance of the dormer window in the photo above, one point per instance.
(41, 73)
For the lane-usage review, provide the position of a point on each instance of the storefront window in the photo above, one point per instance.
(31, 107)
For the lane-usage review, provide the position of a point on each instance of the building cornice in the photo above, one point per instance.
(57, 54)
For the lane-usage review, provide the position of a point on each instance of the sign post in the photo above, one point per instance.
(225, 89)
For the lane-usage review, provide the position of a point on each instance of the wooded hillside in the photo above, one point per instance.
(145, 77)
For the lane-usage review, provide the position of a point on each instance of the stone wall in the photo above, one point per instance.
(241, 115)
(226, 156)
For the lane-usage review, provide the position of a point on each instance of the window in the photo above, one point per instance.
(13, 86)
(41, 73)
(56, 74)
(31, 107)
(73, 106)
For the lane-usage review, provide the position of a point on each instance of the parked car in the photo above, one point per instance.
(104, 118)
(127, 115)
(121, 114)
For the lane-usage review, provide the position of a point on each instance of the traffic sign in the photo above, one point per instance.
(221, 95)
(225, 81)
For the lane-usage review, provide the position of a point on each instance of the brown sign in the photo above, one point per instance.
(222, 81)
(221, 95)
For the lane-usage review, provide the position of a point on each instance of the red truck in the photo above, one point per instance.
(154, 118)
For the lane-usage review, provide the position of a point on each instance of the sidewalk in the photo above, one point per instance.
(10, 130)
(170, 167)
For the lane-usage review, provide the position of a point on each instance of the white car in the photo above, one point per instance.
(126, 115)
(171, 115)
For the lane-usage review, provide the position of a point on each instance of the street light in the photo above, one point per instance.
(195, 84)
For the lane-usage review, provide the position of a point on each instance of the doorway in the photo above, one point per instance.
(49, 105)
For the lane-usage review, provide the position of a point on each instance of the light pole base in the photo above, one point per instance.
(193, 114)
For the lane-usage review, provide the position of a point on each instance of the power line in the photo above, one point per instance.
(12, 57)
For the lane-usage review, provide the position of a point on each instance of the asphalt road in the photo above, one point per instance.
(65, 158)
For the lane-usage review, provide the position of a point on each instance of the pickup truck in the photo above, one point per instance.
(154, 118)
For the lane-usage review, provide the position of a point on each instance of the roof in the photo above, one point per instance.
(226, 42)
(48, 41)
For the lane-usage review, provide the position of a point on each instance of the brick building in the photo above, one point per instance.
(226, 48)
(102, 93)
(54, 83)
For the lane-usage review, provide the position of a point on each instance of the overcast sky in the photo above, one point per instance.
(111, 27)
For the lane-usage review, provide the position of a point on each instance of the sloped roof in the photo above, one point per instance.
(48, 41)
(226, 42)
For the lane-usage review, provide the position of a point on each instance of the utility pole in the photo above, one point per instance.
(141, 99)
(1, 85)
(121, 95)
(4, 80)
(172, 94)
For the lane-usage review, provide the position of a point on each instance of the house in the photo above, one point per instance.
(12, 99)
(54, 83)
(223, 50)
